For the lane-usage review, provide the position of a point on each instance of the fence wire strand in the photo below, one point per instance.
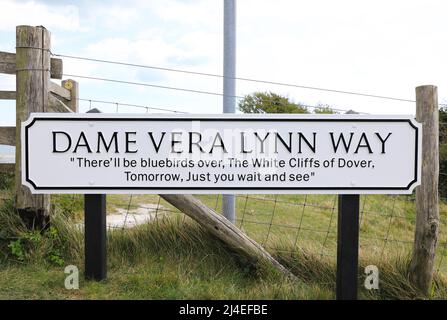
(292, 223)
(246, 79)
(289, 223)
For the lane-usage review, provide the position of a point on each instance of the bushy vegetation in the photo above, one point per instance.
(270, 102)
(167, 259)
(173, 258)
(20, 245)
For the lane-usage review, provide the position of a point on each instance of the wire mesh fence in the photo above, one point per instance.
(303, 222)
(298, 222)
(290, 222)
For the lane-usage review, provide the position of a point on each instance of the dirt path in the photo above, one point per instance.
(129, 219)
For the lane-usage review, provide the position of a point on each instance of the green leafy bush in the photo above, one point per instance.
(17, 250)
(19, 244)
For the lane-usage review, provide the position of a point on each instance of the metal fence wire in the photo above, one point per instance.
(304, 222)
(300, 222)
(285, 222)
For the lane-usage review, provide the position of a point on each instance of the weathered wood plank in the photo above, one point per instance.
(7, 62)
(56, 68)
(7, 95)
(7, 68)
(8, 136)
(224, 230)
(7, 167)
(60, 91)
(32, 96)
(7, 57)
(56, 105)
(427, 202)
(8, 65)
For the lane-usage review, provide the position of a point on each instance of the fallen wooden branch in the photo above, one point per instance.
(224, 230)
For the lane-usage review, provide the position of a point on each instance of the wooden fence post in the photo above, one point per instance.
(427, 206)
(32, 78)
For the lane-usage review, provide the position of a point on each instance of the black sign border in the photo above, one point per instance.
(408, 187)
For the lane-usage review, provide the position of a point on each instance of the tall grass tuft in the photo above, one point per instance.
(394, 280)
(61, 241)
(179, 255)
(170, 238)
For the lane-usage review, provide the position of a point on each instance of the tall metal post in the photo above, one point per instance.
(229, 86)
(95, 237)
(95, 234)
(348, 246)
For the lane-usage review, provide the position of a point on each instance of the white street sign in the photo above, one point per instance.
(103, 153)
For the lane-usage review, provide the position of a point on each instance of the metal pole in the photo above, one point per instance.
(229, 86)
(348, 246)
(95, 234)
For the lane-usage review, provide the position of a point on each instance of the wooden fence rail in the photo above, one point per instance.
(7, 95)
(8, 136)
(8, 65)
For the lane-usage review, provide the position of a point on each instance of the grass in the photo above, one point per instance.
(170, 259)
(173, 258)
(310, 221)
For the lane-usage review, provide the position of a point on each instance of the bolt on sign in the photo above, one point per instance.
(337, 154)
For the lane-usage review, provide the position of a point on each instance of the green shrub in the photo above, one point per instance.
(19, 244)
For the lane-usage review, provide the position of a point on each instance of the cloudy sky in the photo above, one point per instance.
(377, 47)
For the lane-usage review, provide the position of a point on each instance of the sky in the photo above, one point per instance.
(376, 47)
